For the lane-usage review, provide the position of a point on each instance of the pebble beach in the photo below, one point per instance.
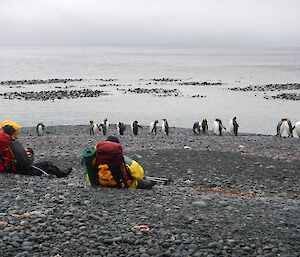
(227, 196)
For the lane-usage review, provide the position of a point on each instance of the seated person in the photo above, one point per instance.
(107, 166)
(15, 158)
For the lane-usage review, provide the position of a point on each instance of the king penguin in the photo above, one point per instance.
(40, 128)
(218, 126)
(135, 127)
(93, 127)
(121, 128)
(104, 126)
(165, 126)
(284, 125)
(204, 126)
(153, 127)
(297, 128)
(233, 126)
(197, 128)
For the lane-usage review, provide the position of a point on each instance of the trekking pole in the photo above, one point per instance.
(164, 181)
(44, 172)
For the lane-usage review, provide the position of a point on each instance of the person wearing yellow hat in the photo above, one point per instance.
(15, 158)
(12, 128)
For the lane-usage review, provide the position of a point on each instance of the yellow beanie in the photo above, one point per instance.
(11, 123)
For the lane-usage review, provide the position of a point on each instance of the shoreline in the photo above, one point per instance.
(229, 196)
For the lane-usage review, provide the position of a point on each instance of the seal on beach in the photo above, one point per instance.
(285, 125)
(40, 128)
(121, 128)
(218, 126)
(165, 126)
(233, 126)
(297, 128)
(197, 128)
(204, 125)
(104, 126)
(153, 127)
(135, 127)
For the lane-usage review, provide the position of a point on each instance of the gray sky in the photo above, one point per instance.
(199, 23)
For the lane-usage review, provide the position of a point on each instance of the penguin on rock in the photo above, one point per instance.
(204, 125)
(40, 128)
(165, 126)
(218, 127)
(135, 127)
(197, 128)
(104, 126)
(233, 126)
(153, 127)
(285, 125)
(93, 127)
(297, 128)
(121, 128)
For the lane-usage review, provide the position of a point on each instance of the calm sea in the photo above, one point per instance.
(135, 67)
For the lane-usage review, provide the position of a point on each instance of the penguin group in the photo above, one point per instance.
(284, 126)
(200, 126)
(164, 127)
(217, 127)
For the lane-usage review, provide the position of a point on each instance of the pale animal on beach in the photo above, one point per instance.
(153, 127)
(233, 126)
(165, 126)
(297, 128)
(284, 125)
(93, 128)
(40, 128)
(121, 128)
(218, 127)
(197, 127)
(104, 126)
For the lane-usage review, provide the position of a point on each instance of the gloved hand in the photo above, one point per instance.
(9, 130)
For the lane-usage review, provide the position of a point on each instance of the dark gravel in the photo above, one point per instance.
(229, 196)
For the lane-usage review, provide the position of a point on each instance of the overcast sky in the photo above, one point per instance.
(199, 23)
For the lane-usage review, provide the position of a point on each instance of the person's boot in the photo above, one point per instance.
(146, 184)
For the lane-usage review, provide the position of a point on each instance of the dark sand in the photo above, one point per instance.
(229, 196)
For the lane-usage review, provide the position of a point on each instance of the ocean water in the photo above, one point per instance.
(136, 67)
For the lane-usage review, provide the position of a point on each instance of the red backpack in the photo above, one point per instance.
(110, 165)
(7, 162)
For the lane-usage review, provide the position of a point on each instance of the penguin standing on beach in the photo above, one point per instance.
(284, 125)
(121, 128)
(197, 128)
(153, 127)
(297, 128)
(218, 126)
(135, 127)
(104, 126)
(40, 128)
(204, 125)
(93, 127)
(233, 126)
(165, 126)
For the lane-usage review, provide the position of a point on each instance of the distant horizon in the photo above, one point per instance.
(150, 46)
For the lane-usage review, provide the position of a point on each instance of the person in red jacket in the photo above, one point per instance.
(15, 158)
(7, 161)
